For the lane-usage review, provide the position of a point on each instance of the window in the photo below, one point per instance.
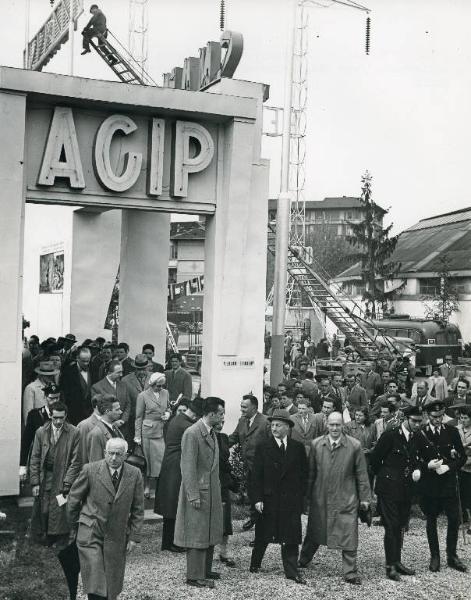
(172, 275)
(414, 335)
(429, 286)
(173, 250)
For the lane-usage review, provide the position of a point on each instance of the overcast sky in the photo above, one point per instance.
(402, 112)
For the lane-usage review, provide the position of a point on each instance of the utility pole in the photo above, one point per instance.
(71, 36)
(283, 218)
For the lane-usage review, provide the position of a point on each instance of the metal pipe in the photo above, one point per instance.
(71, 36)
(26, 50)
(283, 216)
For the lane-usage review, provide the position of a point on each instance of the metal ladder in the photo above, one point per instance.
(328, 300)
(171, 339)
(120, 62)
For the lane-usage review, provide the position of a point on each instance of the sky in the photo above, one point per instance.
(402, 112)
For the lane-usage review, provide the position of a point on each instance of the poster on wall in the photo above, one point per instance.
(51, 270)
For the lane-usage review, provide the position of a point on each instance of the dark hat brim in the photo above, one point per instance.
(289, 421)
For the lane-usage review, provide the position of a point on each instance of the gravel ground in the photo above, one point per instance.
(152, 574)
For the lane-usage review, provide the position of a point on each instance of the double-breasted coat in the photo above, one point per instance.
(65, 470)
(202, 527)
(337, 483)
(106, 521)
(166, 498)
(280, 483)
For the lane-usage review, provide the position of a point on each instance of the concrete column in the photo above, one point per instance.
(235, 270)
(145, 247)
(12, 134)
(96, 242)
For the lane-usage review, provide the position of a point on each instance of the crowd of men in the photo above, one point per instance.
(319, 444)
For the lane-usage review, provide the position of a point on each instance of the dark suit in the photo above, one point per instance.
(280, 481)
(356, 397)
(440, 492)
(96, 26)
(393, 460)
(248, 438)
(178, 382)
(119, 392)
(36, 418)
(128, 366)
(369, 381)
(97, 439)
(76, 392)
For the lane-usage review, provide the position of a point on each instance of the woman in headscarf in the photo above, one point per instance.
(152, 411)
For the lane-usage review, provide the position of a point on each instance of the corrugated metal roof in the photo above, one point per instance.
(327, 203)
(418, 250)
(454, 217)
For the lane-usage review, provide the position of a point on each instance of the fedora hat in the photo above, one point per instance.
(280, 414)
(141, 361)
(46, 368)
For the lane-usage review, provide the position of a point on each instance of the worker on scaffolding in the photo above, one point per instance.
(96, 27)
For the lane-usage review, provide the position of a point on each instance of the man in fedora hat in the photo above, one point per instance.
(279, 480)
(135, 383)
(394, 460)
(33, 396)
(36, 418)
(443, 455)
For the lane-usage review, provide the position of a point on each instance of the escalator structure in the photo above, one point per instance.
(328, 300)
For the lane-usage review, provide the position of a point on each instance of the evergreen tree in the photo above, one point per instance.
(441, 305)
(374, 249)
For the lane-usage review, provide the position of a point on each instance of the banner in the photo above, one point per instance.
(186, 288)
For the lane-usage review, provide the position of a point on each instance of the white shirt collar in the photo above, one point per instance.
(334, 442)
(288, 408)
(208, 428)
(113, 470)
(284, 440)
(111, 382)
(405, 431)
(251, 420)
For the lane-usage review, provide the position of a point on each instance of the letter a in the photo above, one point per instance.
(62, 156)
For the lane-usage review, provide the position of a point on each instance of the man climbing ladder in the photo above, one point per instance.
(96, 27)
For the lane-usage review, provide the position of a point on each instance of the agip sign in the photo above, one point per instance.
(81, 157)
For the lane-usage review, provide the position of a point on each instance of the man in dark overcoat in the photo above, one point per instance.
(76, 383)
(444, 455)
(106, 509)
(395, 462)
(168, 484)
(179, 381)
(280, 479)
(252, 428)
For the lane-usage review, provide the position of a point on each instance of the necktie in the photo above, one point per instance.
(115, 480)
(334, 446)
(282, 448)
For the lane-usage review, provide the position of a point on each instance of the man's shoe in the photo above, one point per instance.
(356, 580)
(196, 583)
(434, 564)
(227, 561)
(391, 573)
(247, 526)
(85, 52)
(213, 575)
(176, 549)
(302, 565)
(298, 579)
(455, 563)
(254, 569)
(400, 568)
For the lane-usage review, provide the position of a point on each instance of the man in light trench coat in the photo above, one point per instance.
(199, 524)
(106, 508)
(337, 485)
